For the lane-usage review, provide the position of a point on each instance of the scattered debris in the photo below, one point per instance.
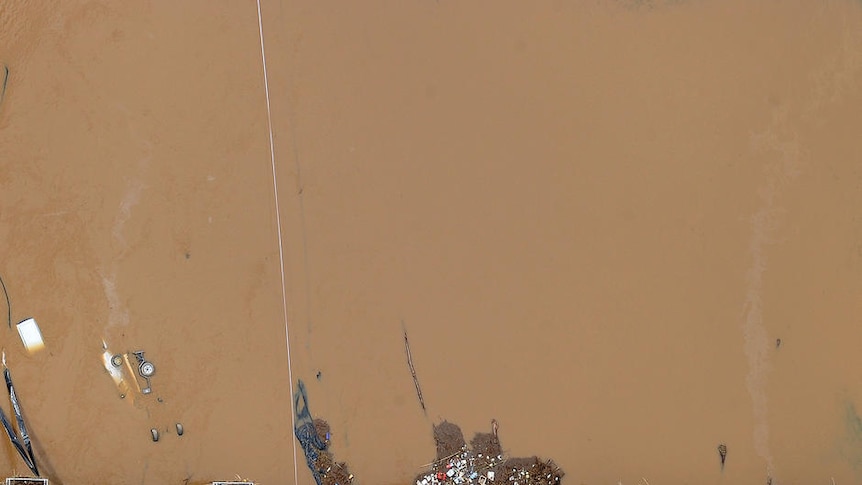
(482, 462)
(722, 453)
(777, 343)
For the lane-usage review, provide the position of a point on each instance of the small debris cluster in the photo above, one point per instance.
(463, 468)
(483, 463)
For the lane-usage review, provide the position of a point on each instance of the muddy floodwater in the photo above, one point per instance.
(628, 231)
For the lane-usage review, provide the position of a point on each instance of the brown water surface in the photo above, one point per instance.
(594, 219)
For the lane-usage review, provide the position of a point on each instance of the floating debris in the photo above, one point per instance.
(483, 462)
(30, 334)
(2, 283)
(26, 481)
(313, 436)
(4, 73)
(123, 372)
(413, 370)
(145, 369)
(722, 453)
(113, 363)
(21, 442)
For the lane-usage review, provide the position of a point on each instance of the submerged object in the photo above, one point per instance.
(31, 335)
(313, 436)
(145, 369)
(26, 481)
(21, 441)
(722, 453)
(306, 433)
(4, 74)
(482, 462)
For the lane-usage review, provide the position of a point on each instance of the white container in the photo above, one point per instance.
(31, 336)
(14, 481)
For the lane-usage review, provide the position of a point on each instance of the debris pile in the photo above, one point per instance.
(331, 472)
(313, 436)
(483, 462)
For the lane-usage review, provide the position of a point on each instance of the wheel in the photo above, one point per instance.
(117, 360)
(155, 434)
(147, 369)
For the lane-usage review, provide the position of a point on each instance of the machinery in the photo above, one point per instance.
(145, 368)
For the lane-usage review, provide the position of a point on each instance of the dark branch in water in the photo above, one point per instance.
(413, 371)
(8, 303)
(5, 76)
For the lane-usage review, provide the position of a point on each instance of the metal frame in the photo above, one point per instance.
(22, 480)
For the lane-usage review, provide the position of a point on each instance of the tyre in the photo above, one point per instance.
(147, 369)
